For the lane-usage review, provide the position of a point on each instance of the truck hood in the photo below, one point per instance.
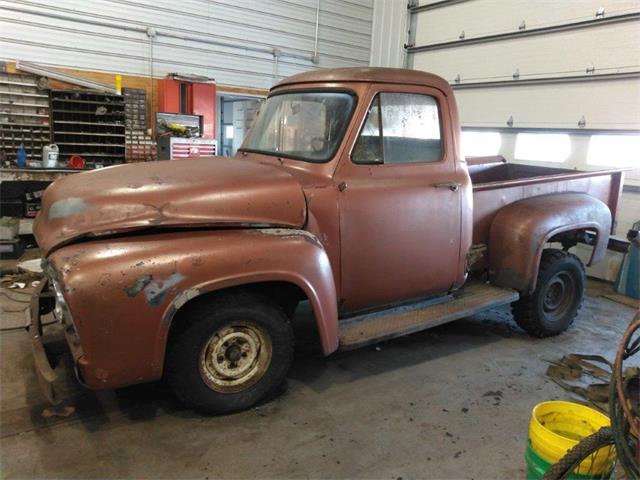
(213, 191)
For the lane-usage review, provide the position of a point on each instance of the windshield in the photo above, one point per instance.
(305, 125)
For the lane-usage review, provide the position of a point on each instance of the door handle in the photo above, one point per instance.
(453, 186)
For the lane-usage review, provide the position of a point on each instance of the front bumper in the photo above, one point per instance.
(47, 377)
(42, 303)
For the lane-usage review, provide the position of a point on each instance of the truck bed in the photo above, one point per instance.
(497, 183)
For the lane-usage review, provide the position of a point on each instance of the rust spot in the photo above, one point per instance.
(291, 233)
(105, 280)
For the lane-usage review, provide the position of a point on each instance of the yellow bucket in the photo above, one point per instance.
(556, 427)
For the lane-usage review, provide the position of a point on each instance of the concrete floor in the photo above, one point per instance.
(451, 402)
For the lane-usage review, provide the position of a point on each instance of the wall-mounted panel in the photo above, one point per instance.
(604, 105)
(487, 17)
(231, 41)
(389, 33)
(608, 48)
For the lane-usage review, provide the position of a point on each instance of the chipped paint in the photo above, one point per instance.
(138, 286)
(184, 297)
(292, 233)
(67, 207)
(156, 291)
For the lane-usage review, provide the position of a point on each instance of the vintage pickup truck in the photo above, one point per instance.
(350, 192)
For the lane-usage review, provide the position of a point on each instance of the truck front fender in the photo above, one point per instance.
(520, 230)
(123, 293)
(268, 255)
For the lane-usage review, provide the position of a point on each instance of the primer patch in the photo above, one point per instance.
(67, 207)
(156, 291)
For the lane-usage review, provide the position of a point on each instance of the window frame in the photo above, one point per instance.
(443, 143)
(339, 144)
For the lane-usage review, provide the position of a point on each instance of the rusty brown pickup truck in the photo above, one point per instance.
(350, 192)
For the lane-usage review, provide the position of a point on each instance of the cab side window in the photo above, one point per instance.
(400, 128)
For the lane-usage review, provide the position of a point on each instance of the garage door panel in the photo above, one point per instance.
(479, 18)
(604, 104)
(556, 53)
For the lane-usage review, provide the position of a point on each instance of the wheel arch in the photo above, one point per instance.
(296, 262)
(280, 288)
(520, 231)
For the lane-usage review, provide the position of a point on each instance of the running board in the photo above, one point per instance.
(374, 327)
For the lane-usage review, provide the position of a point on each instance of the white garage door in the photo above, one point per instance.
(568, 67)
(540, 43)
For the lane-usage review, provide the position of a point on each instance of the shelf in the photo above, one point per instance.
(89, 112)
(101, 124)
(22, 94)
(21, 125)
(101, 155)
(30, 147)
(89, 102)
(57, 132)
(86, 92)
(105, 145)
(19, 84)
(21, 114)
(34, 105)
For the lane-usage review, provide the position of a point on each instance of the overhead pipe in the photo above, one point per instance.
(151, 34)
(315, 58)
(63, 76)
(190, 38)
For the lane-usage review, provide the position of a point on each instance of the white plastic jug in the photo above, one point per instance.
(50, 156)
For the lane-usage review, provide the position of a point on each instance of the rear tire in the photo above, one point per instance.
(558, 296)
(229, 354)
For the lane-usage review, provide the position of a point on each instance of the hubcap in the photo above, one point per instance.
(235, 357)
(559, 296)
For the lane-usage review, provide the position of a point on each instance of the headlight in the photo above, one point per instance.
(61, 311)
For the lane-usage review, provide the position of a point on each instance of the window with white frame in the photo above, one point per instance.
(614, 151)
(543, 147)
(480, 144)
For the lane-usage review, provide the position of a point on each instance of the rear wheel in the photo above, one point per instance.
(229, 354)
(558, 296)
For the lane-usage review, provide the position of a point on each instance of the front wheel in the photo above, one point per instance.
(229, 354)
(558, 296)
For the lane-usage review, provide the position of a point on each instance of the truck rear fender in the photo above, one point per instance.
(520, 230)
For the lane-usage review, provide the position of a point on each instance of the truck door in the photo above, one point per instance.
(400, 201)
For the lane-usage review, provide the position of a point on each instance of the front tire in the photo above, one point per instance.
(227, 355)
(558, 296)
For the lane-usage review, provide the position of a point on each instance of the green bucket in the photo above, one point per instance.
(537, 467)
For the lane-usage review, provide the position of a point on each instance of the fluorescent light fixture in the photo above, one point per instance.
(228, 131)
(480, 144)
(543, 147)
(614, 151)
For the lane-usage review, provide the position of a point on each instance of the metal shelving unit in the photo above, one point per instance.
(24, 115)
(140, 145)
(90, 124)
